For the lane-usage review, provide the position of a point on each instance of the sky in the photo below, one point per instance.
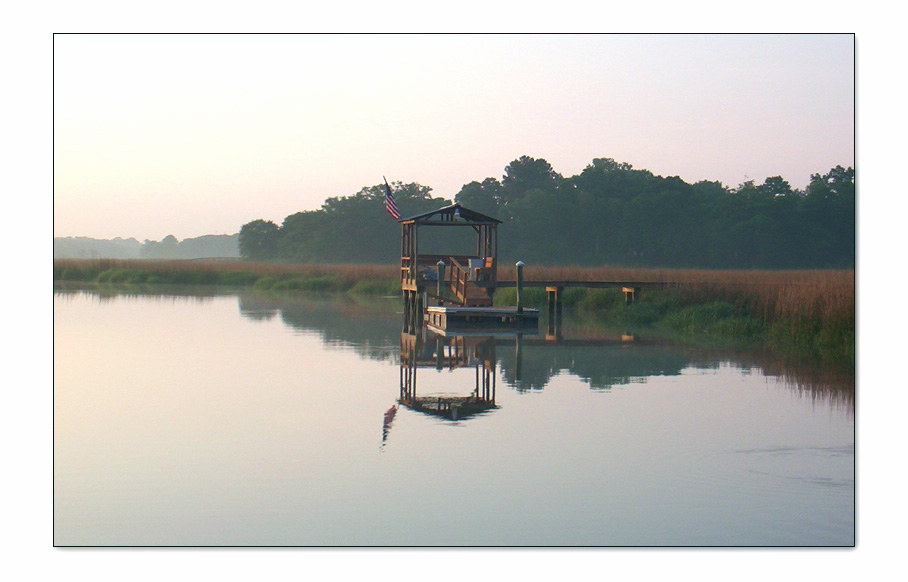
(199, 134)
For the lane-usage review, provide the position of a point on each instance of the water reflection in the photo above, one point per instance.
(424, 349)
(602, 359)
(103, 294)
(253, 419)
(602, 363)
(364, 325)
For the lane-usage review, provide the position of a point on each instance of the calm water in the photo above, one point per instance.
(238, 420)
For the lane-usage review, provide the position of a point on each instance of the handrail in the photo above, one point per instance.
(459, 277)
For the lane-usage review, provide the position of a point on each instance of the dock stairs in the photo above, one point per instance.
(463, 282)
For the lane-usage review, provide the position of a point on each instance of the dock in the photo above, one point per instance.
(453, 352)
(455, 291)
(487, 319)
(447, 406)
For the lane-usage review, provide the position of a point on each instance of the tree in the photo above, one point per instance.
(166, 249)
(482, 197)
(259, 240)
(828, 209)
(608, 165)
(525, 174)
(609, 213)
(775, 186)
(354, 229)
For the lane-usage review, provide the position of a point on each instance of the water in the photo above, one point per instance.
(237, 420)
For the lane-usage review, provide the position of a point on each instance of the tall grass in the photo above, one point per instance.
(289, 276)
(821, 295)
(808, 313)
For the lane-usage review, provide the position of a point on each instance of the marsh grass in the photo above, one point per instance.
(807, 313)
(287, 276)
(821, 295)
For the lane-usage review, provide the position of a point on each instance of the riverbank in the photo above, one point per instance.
(806, 315)
(355, 279)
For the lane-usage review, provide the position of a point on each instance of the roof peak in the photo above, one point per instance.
(450, 213)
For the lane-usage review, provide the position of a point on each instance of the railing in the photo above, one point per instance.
(413, 270)
(406, 266)
(460, 275)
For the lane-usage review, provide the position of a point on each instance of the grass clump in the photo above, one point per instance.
(592, 300)
(122, 275)
(239, 278)
(716, 318)
(315, 284)
(378, 287)
(532, 297)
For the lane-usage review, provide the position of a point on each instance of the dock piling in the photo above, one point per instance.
(520, 266)
(630, 294)
(440, 269)
(555, 311)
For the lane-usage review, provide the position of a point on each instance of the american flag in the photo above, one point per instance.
(390, 204)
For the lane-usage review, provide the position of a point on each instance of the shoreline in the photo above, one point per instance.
(802, 315)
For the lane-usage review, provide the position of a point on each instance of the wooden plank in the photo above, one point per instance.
(588, 284)
(448, 223)
(490, 310)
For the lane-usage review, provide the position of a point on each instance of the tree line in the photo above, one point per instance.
(207, 246)
(610, 213)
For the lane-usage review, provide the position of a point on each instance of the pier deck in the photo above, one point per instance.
(587, 284)
(486, 318)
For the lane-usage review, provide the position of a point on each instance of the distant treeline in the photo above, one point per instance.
(610, 213)
(203, 247)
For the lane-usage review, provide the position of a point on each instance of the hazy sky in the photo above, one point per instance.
(198, 134)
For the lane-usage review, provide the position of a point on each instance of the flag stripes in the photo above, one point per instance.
(390, 204)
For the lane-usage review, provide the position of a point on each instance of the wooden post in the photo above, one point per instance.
(439, 354)
(559, 294)
(440, 269)
(555, 310)
(630, 294)
(409, 312)
(520, 265)
(421, 302)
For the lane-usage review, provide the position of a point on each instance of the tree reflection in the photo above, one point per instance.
(601, 359)
(600, 363)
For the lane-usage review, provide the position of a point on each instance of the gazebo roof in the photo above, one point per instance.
(453, 214)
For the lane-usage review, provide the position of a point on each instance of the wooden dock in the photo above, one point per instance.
(579, 283)
(449, 407)
(487, 319)
(555, 288)
(463, 286)
(448, 353)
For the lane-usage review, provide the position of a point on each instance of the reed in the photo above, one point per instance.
(809, 313)
(213, 271)
(823, 295)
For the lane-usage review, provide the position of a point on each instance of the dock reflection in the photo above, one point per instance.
(603, 359)
(425, 349)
